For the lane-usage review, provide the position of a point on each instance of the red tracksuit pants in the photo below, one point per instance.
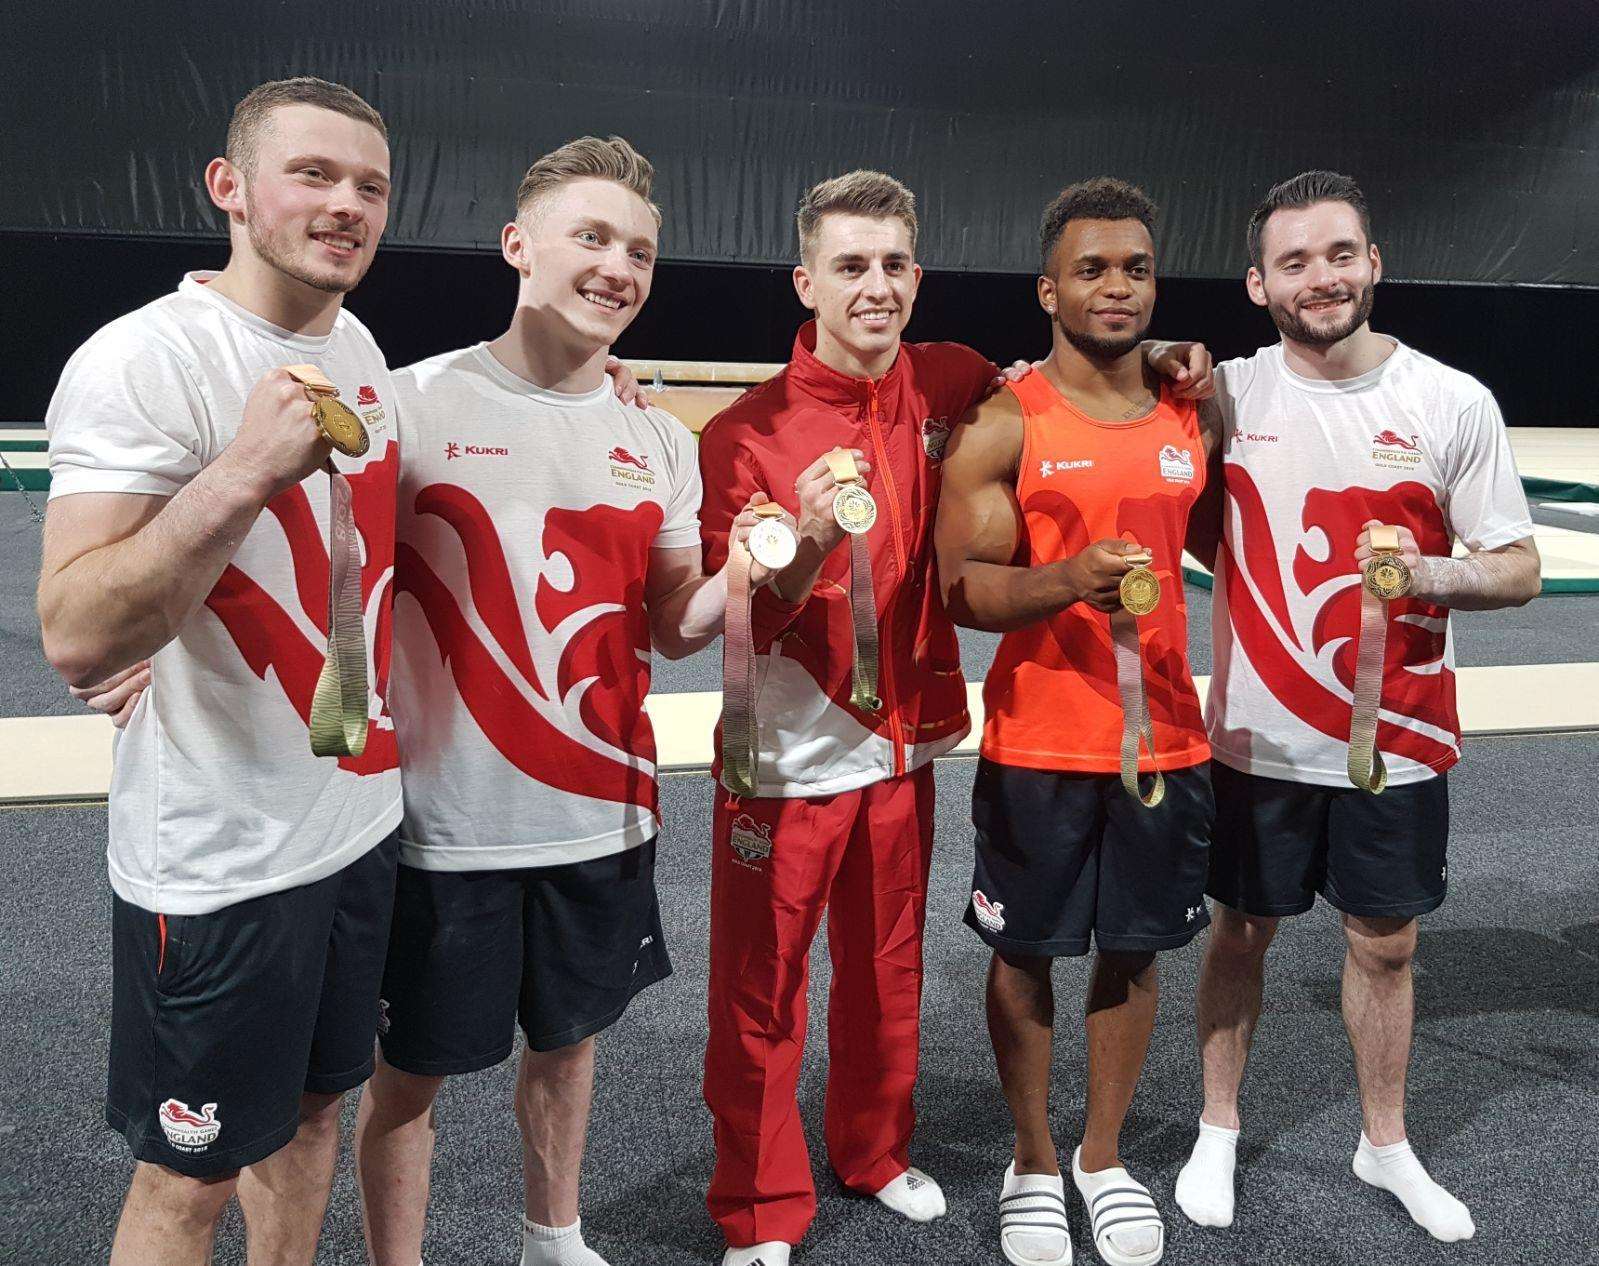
(776, 865)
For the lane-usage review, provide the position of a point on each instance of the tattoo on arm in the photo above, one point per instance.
(1482, 581)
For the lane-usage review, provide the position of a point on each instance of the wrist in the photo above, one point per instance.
(1064, 589)
(238, 478)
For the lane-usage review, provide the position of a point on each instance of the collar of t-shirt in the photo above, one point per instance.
(1342, 386)
(195, 285)
(543, 395)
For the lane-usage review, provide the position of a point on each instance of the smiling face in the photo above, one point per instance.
(1101, 285)
(315, 198)
(860, 278)
(586, 251)
(1317, 273)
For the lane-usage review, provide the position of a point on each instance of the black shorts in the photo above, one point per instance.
(1061, 855)
(1277, 844)
(221, 1021)
(563, 949)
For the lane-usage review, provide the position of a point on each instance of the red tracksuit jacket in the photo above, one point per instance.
(812, 741)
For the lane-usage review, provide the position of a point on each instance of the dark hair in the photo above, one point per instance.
(1304, 190)
(1102, 198)
(251, 114)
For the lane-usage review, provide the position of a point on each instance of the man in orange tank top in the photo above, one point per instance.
(1049, 489)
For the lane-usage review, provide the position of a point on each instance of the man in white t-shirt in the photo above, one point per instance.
(188, 525)
(548, 536)
(1329, 433)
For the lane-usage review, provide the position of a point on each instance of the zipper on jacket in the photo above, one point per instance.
(886, 657)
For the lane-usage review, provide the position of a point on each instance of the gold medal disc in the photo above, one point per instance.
(1387, 577)
(340, 424)
(1140, 591)
(772, 544)
(854, 510)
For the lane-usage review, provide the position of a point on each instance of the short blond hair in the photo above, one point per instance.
(252, 113)
(869, 193)
(608, 158)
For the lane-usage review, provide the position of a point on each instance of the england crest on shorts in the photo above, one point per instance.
(751, 840)
(186, 1129)
(991, 914)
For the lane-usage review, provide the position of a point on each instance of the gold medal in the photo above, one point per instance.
(339, 424)
(1140, 588)
(1386, 575)
(853, 507)
(854, 510)
(772, 542)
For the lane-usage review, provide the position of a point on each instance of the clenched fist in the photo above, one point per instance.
(278, 443)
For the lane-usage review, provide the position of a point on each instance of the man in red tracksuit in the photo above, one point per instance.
(842, 814)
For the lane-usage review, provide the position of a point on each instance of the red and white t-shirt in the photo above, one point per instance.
(522, 642)
(1308, 462)
(215, 795)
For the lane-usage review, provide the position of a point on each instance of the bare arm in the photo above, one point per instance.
(1484, 580)
(979, 524)
(121, 572)
(688, 608)
(1204, 520)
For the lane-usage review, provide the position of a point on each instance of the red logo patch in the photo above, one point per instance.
(622, 456)
(451, 452)
(366, 395)
(1391, 439)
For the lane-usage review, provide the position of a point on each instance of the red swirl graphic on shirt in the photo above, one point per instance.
(1416, 685)
(269, 638)
(604, 658)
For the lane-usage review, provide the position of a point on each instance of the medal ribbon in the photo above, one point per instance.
(740, 753)
(862, 598)
(1366, 768)
(338, 721)
(863, 619)
(1136, 722)
(339, 706)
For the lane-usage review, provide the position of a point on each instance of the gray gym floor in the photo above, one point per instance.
(1504, 1096)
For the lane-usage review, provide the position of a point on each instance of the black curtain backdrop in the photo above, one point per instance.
(1472, 124)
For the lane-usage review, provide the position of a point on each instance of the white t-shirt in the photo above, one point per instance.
(522, 643)
(215, 795)
(1410, 443)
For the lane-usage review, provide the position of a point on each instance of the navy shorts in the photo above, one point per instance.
(221, 1021)
(1065, 856)
(562, 949)
(1277, 844)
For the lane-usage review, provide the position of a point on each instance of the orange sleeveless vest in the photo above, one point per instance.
(1050, 697)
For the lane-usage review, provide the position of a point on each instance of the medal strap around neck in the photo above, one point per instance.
(1366, 768)
(338, 721)
(1140, 596)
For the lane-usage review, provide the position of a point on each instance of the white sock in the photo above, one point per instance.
(1205, 1185)
(1397, 1169)
(556, 1245)
(915, 1195)
(770, 1253)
